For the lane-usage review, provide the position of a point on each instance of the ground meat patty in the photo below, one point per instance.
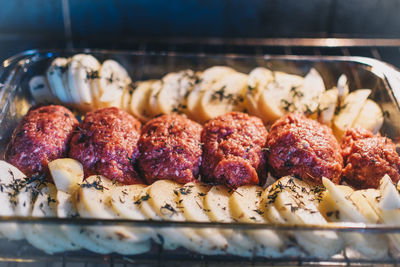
(367, 158)
(302, 147)
(42, 136)
(233, 150)
(106, 144)
(170, 148)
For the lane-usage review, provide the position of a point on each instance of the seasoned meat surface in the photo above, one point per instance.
(367, 158)
(42, 136)
(302, 147)
(106, 144)
(170, 148)
(233, 150)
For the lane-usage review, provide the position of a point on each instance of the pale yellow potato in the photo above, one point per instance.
(349, 111)
(226, 95)
(209, 77)
(370, 117)
(67, 174)
(327, 106)
(140, 100)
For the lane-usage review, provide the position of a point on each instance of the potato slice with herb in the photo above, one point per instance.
(348, 111)
(226, 95)
(370, 117)
(140, 100)
(206, 80)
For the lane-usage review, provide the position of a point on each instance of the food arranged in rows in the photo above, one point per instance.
(272, 148)
(234, 149)
(83, 83)
(287, 201)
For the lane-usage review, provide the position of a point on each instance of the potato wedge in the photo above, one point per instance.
(370, 117)
(370, 245)
(349, 111)
(327, 106)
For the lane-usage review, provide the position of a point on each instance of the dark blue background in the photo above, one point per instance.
(26, 24)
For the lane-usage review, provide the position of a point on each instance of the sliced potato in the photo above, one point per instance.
(43, 236)
(295, 200)
(327, 205)
(93, 200)
(126, 98)
(175, 90)
(306, 98)
(349, 111)
(40, 90)
(79, 234)
(57, 77)
(371, 245)
(343, 88)
(67, 174)
(206, 80)
(258, 81)
(276, 100)
(226, 95)
(163, 201)
(160, 236)
(190, 198)
(216, 204)
(80, 72)
(370, 117)
(389, 215)
(327, 106)
(244, 205)
(140, 100)
(12, 183)
(113, 78)
(244, 202)
(153, 107)
(123, 199)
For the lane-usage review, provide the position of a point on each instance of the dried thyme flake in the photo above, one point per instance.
(169, 208)
(186, 190)
(259, 211)
(286, 104)
(273, 194)
(340, 107)
(95, 184)
(142, 198)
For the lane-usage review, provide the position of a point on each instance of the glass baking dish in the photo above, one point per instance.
(382, 78)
